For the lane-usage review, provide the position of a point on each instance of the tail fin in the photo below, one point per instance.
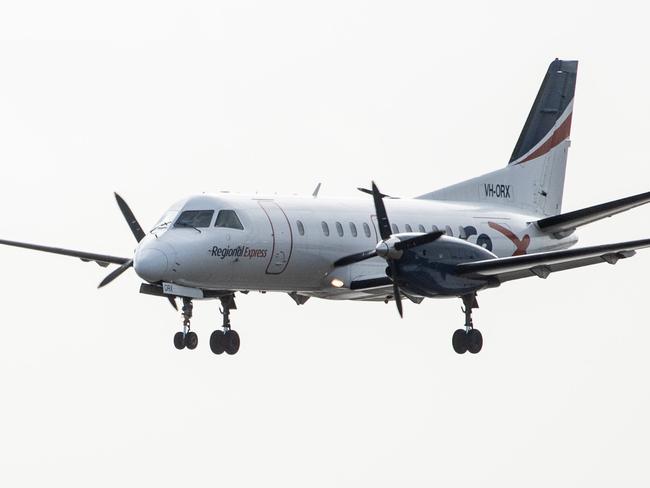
(549, 120)
(533, 180)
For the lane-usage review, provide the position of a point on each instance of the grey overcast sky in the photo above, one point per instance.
(161, 99)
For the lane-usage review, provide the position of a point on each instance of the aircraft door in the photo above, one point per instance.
(282, 237)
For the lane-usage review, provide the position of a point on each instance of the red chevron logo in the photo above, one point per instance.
(521, 246)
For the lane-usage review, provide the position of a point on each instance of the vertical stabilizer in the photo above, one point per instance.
(549, 120)
(533, 180)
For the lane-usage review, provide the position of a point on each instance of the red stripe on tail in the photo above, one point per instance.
(560, 134)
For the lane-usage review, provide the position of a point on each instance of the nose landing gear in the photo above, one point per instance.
(186, 338)
(226, 340)
(469, 338)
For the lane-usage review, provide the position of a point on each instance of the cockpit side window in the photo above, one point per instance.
(228, 219)
(194, 218)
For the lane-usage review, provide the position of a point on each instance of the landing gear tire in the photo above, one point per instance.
(186, 338)
(191, 340)
(179, 340)
(218, 342)
(459, 341)
(231, 342)
(469, 338)
(474, 341)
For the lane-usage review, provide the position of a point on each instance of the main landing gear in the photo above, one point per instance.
(225, 340)
(469, 338)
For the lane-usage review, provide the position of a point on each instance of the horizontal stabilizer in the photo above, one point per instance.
(545, 263)
(101, 259)
(567, 222)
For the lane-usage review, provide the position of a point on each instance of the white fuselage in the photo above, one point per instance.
(289, 244)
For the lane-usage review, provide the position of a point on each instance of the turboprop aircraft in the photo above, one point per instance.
(453, 242)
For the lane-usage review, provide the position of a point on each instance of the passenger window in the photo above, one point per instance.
(421, 228)
(339, 229)
(395, 229)
(434, 228)
(366, 229)
(301, 228)
(408, 228)
(228, 219)
(448, 231)
(195, 218)
(353, 229)
(326, 228)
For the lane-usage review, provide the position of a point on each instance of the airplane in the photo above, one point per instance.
(451, 243)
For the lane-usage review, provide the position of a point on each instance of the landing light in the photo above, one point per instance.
(336, 283)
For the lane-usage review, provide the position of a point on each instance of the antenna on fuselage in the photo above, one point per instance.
(315, 193)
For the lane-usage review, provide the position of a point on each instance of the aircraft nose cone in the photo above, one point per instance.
(151, 264)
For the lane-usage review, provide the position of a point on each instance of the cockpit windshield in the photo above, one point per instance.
(228, 219)
(195, 218)
(165, 220)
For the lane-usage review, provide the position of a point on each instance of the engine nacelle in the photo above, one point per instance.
(428, 270)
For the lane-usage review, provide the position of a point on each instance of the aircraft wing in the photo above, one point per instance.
(101, 259)
(545, 263)
(568, 222)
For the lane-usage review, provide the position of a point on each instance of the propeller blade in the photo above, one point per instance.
(397, 296)
(369, 192)
(130, 218)
(418, 240)
(172, 300)
(115, 273)
(355, 258)
(380, 210)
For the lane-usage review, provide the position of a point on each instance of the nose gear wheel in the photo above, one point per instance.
(186, 338)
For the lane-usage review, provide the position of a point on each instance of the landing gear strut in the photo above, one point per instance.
(225, 340)
(186, 338)
(469, 338)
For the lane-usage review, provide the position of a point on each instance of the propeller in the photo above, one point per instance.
(390, 247)
(138, 233)
(369, 192)
(396, 293)
(418, 240)
(355, 258)
(172, 300)
(380, 210)
(115, 273)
